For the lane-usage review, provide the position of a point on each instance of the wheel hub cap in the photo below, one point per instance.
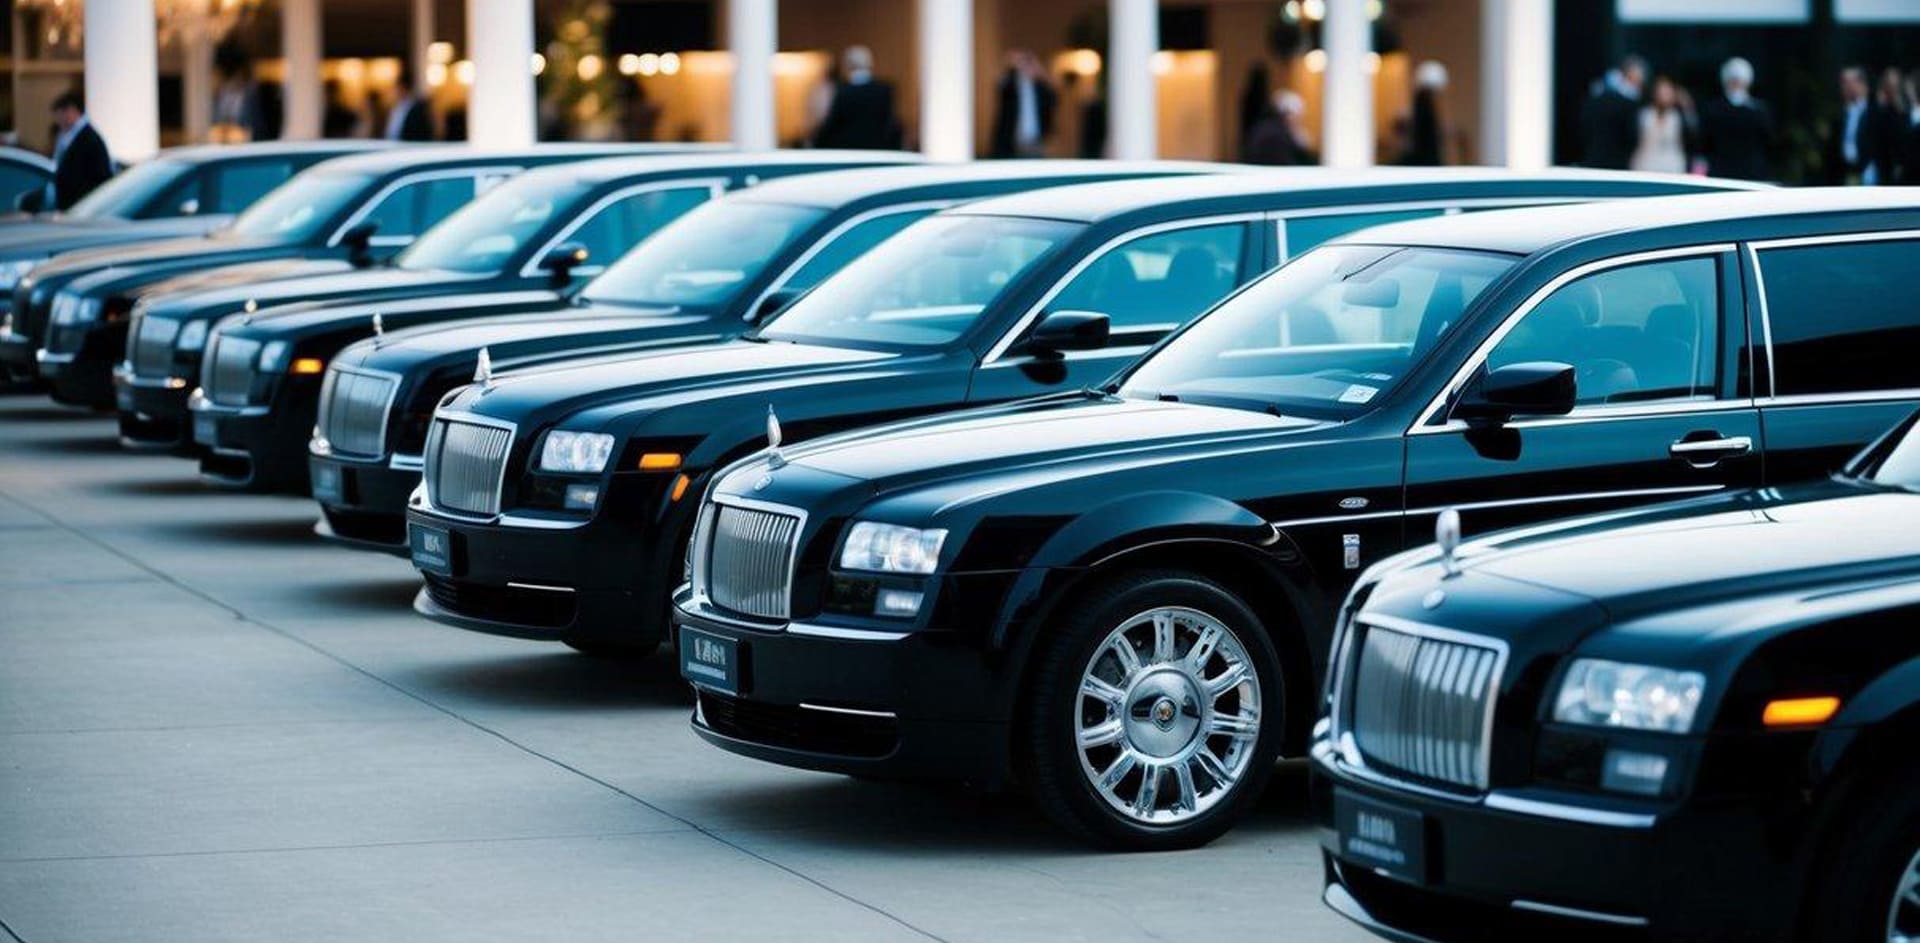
(1903, 915)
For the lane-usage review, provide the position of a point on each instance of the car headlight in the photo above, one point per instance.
(192, 336)
(576, 452)
(11, 272)
(890, 548)
(1600, 693)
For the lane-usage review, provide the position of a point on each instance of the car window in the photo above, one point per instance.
(1305, 232)
(702, 259)
(621, 225)
(132, 190)
(849, 245)
(238, 184)
(412, 208)
(1638, 333)
(299, 208)
(16, 180)
(1158, 281)
(185, 196)
(1842, 317)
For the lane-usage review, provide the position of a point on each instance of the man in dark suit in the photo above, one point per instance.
(410, 118)
(1024, 118)
(80, 159)
(861, 115)
(1861, 150)
(1736, 129)
(1611, 123)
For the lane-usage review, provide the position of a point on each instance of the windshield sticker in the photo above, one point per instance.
(1359, 393)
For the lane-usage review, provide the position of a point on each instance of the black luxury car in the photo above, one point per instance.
(708, 276)
(70, 314)
(1690, 722)
(558, 502)
(1123, 597)
(24, 175)
(534, 238)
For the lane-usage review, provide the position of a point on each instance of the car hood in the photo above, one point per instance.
(517, 341)
(200, 250)
(55, 236)
(292, 283)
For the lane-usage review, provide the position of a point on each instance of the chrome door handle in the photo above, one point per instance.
(1709, 451)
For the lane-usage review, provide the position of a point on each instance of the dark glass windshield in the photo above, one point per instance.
(297, 210)
(1326, 336)
(128, 193)
(699, 261)
(481, 237)
(923, 288)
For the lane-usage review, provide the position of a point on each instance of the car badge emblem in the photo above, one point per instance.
(1434, 599)
(762, 484)
(1352, 504)
(775, 460)
(483, 370)
(1446, 533)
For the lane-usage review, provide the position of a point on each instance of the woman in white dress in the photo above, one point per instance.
(1665, 126)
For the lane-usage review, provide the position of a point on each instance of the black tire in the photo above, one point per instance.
(1868, 852)
(598, 648)
(1048, 737)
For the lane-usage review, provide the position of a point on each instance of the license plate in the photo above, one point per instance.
(206, 430)
(123, 399)
(328, 488)
(710, 661)
(1384, 837)
(432, 548)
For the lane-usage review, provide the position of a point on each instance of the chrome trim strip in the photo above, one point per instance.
(715, 186)
(510, 519)
(416, 463)
(1835, 399)
(1424, 423)
(888, 715)
(541, 587)
(366, 206)
(47, 356)
(850, 635)
(1596, 916)
(1731, 445)
(1766, 319)
(1509, 502)
(1881, 235)
(1506, 802)
(819, 245)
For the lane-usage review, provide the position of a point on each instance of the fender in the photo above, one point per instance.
(1895, 691)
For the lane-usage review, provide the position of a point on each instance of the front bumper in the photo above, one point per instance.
(153, 411)
(914, 705)
(1525, 865)
(364, 504)
(16, 357)
(245, 446)
(80, 372)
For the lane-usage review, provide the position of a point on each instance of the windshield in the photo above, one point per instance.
(1899, 465)
(924, 287)
(482, 236)
(127, 193)
(700, 260)
(1324, 336)
(296, 211)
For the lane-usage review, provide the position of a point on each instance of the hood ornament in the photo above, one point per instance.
(1446, 533)
(483, 370)
(774, 459)
(251, 306)
(379, 327)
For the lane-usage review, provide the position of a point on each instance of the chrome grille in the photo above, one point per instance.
(353, 411)
(465, 464)
(750, 561)
(228, 374)
(1424, 706)
(151, 350)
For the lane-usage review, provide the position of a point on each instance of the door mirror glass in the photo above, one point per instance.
(1070, 330)
(1536, 388)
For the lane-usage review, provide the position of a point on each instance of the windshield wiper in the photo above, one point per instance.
(1225, 401)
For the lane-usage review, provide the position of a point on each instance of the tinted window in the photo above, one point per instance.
(487, 233)
(1158, 281)
(411, 209)
(850, 245)
(1305, 232)
(619, 226)
(131, 190)
(185, 197)
(299, 208)
(701, 259)
(1637, 333)
(237, 185)
(1842, 317)
(16, 180)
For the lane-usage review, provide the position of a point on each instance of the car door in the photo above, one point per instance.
(1657, 341)
(1840, 331)
(623, 219)
(1147, 282)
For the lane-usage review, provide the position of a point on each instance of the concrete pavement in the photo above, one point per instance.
(214, 727)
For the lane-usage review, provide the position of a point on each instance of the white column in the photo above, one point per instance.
(300, 45)
(1346, 100)
(753, 36)
(946, 79)
(419, 56)
(123, 77)
(1516, 83)
(500, 110)
(196, 78)
(1133, 124)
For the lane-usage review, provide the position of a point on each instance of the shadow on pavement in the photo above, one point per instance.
(382, 596)
(277, 532)
(559, 678)
(189, 484)
(83, 444)
(53, 413)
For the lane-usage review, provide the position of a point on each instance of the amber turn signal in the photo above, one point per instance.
(1800, 711)
(660, 461)
(309, 365)
(680, 483)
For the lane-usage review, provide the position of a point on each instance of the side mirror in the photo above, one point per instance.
(1540, 388)
(1070, 330)
(562, 259)
(357, 241)
(774, 303)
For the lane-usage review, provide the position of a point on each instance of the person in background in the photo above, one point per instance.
(1666, 125)
(1910, 166)
(410, 118)
(862, 113)
(1425, 129)
(1280, 137)
(1023, 120)
(340, 120)
(1256, 100)
(80, 159)
(1894, 104)
(1859, 152)
(1611, 122)
(1736, 129)
(237, 105)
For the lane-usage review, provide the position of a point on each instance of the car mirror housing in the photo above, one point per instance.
(774, 303)
(562, 259)
(358, 240)
(1537, 388)
(1062, 331)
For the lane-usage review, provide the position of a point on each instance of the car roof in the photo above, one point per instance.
(839, 188)
(608, 169)
(1320, 186)
(420, 156)
(24, 156)
(205, 153)
(1526, 231)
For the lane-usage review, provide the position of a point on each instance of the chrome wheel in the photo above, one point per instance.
(1168, 715)
(1903, 915)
